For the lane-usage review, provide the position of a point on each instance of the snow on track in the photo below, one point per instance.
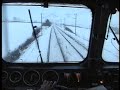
(73, 38)
(55, 53)
(79, 48)
(77, 38)
(69, 51)
(57, 46)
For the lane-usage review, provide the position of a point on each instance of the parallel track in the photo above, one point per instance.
(73, 39)
(50, 39)
(71, 45)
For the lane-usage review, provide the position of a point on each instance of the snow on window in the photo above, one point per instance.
(62, 32)
(111, 46)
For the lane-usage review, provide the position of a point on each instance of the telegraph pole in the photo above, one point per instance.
(75, 22)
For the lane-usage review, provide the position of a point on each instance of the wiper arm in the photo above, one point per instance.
(35, 37)
(112, 31)
(114, 35)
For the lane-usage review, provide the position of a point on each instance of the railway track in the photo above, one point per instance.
(81, 37)
(73, 38)
(62, 47)
(52, 40)
(72, 45)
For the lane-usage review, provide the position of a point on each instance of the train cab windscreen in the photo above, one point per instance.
(111, 46)
(34, 34)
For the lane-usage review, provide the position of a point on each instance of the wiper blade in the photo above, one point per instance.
(109, 27)
(35, 37)
(114, 35)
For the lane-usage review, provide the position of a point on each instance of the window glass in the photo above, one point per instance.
(111, 46)
(62, 33)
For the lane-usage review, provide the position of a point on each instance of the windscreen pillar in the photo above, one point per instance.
(98, 33)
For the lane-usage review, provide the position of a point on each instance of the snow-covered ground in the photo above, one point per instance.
(17, 33)
(111, 49)
(82, 35)
(69, 53)
(75, 49)
(31, 55)
(54, 49)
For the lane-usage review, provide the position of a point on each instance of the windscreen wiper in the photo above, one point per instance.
(35, 37)
(113, 31)
(114, 35)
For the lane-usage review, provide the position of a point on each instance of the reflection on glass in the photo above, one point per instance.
(62, 32)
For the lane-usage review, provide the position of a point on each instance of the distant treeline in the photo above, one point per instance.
(47, 23)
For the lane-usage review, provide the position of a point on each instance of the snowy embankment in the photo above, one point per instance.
(16, 35)
(31, 54)
(17, 41)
